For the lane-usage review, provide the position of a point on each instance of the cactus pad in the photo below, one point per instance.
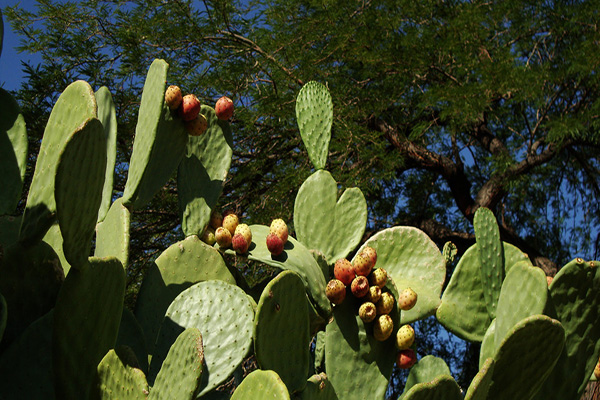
(259, 385)
(480, 385)
(112, 234)
(318, 387)
(118, 380)
(108, 116)
(132, 336)
(426, 370)
(444, 387)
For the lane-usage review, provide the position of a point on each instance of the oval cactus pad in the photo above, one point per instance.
(322, 222)
(259, 385)
(314, 112)
(108, 116)
(413, 261)
(444, 387)
(225, 317)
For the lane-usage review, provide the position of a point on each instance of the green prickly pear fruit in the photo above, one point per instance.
(245, 231)
(197, 126)
(279, 228)
(224, 108)
(208, 236)
(230, 222)
(275, 245)
(173, 97)
(239, 243)
(378, 277)
(216, 219)
(385, 304)
(190, 107)
(374, 294)
(362, 265)
(383, 327)
(359, 286)
(223, 237)
(371, 254)
(405, 337)
(407, 299)
(344, 271)
(406, 358)
(335, 291)
(367, 312)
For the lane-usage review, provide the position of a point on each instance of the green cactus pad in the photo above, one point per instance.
(26, 365)
(314, 112)
(78, 190)
(75, 105)
(526, 358)
(160, 141)
(13, 152)
(488, 344)
(259, 385)
(181, 372)
(108, 116)
(322, 222)
(449, 251)
(281, 331)
(462, 310)
(118, 380)
(575, 300)
(319, 354)
(412, 260)
(9, 230)
(491, 257)
(177, 268)
(351, 351)
(112, 234)
(426, 370)
(480, 385)
(318, 387)
(30, 281)
(86, 323)
(443, 387)
(202, 172)
(225, 317)
(54, 238)
(132, 336)
(297, 258)
(524, 293)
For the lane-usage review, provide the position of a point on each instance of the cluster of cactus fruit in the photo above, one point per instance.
(65, 333)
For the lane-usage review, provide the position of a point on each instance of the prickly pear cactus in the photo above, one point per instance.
(314, 112)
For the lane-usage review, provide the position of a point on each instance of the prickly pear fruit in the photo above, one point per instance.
(549, 279)
(208, 236)
(362, 265)
(223, 237)
(405, 337)
(374, 294)
(197, 126)
(367, 312)
(190, 107)
(224, 108)
(216, 219)
(371, 254)
(230, 222)
(275, 245)
(360, 286)
(279, 227)
(245, 231)
(239, 243)
(344, 271)
(378, 277)
(597, 370)
(383, 327)
(173, 97)
(335, 291)
(406, 358)
(407, 299)
(385, 304)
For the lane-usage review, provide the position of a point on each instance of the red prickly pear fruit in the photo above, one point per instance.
(374, 294)
(245, 231)
(230, 222)
(407, 299)
(371, 254)
(279, 227)
(344, 271)
(549, 279)
(224, 108)
(239, 244)
(367, 312)
(216, 219)
(335, 291)
(385, 304)
(405, 337)
(383, 327)
(359, 286)
(362, 265)
(197, 126)
(406, 358)
(223, 237)
(208, 236)
(275, 245)
(190, 107)
(173, 97)
(378, 277)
